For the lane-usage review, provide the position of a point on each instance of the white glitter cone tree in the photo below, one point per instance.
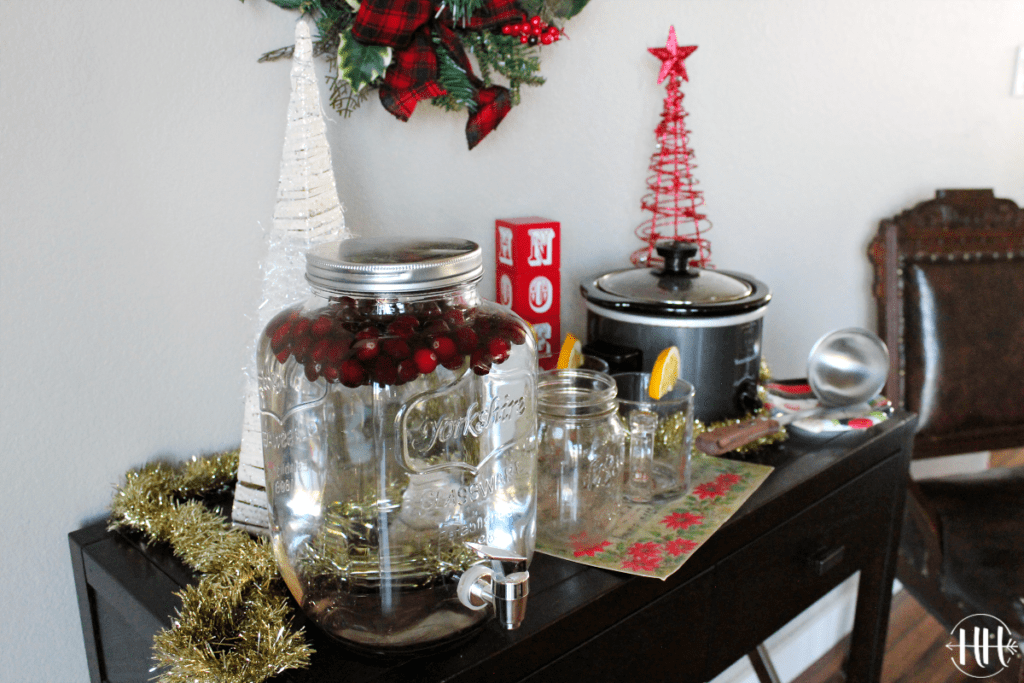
(307, 213)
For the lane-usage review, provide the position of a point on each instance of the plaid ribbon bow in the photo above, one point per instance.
(408, 27)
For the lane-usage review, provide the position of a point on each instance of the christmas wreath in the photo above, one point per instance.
(411, 50)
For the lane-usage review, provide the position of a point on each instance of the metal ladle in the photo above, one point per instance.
(845, 368)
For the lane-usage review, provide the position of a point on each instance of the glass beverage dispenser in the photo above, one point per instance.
(399, 440)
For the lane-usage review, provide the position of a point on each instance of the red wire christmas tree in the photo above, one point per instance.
(673, 199)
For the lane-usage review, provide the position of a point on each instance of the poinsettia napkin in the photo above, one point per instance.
(657, 539)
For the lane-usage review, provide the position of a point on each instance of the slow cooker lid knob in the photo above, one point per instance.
(677, 255)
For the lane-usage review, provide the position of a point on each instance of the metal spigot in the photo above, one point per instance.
(500, 580)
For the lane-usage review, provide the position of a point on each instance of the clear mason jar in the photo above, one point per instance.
(399, 441)
(581, 458)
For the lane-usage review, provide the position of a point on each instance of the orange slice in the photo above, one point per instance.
(571, 355)
(665, 373)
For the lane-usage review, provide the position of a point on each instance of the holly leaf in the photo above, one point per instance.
(532, 7)
(566, 8)
(290, 4)
(361, 65)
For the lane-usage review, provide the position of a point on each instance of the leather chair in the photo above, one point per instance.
(949, 283)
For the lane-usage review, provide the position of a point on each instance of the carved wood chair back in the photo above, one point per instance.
(949, 284)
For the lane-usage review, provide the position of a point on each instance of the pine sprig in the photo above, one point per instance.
(342, 99)
(460, 92)
(331, 18)
(506, 56)
(462, 10)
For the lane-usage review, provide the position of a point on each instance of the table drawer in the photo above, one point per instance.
(654, 644)
(766, 584)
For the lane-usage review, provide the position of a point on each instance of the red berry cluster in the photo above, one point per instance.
(533, 31)
(349, 342)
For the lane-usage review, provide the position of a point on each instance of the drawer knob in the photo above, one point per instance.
(826, 560)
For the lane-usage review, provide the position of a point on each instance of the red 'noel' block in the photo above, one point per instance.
(528, 278)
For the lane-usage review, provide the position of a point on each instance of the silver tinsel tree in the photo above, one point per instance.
(307, 213)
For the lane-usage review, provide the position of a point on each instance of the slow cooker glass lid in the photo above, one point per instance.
(647, 285)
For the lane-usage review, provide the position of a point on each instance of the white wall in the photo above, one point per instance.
(139, 150)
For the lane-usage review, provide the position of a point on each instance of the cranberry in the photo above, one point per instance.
(454, 363)
(312, 374)
(385, 371)
(480, 361)
(444, 347)
(369, 332)
(352, 373)
(454, 316)
(436, 327)
(426, 360)
(301, 326)
(407, 320)
(366, 349)
(300, 348)
(408, 370)
(402, 330)
(279, 340)
(321, 327)
(282, 356)
(396, 348)
(465, 339)
(287, 315)
(319, 352)
(337, 348)
(499, 349)
(331, 373)
(514, 333)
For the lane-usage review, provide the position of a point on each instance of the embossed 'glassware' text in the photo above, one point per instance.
(399, 438)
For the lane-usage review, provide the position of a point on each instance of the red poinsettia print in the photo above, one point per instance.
(681, 546)
(592, 550)
(719, 487)
(643, 557)
(682, 520)
(728, 479)
(708, 490)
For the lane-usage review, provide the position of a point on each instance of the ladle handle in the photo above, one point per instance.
(731, 437)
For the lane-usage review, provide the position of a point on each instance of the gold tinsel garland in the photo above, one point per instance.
(235, 624)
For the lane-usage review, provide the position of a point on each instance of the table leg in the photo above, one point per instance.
(762, 663)
(874, 592)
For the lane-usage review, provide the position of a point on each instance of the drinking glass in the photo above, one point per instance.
(660, 437)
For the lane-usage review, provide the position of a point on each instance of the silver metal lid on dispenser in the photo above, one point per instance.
(393, 264)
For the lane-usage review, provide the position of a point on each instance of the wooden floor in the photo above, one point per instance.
(916, 644)
(915, 652)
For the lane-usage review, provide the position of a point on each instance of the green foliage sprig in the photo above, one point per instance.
(506, 56)
(460, 92)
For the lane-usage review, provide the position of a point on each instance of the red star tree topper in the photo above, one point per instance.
(672, 197)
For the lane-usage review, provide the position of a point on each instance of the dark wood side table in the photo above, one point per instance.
(832, 507)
